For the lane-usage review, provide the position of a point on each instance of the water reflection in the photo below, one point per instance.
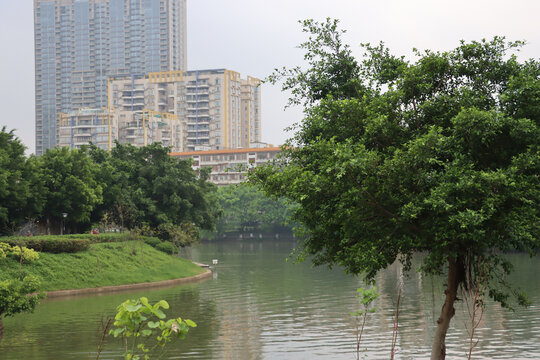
(259, 306)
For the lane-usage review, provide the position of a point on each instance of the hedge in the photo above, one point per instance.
(79, 242)
(49, 244)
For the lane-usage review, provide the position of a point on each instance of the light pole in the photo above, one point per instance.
(64, 216)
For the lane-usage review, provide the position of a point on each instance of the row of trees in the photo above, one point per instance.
(130, 187)
(246, 208)
(440, 155)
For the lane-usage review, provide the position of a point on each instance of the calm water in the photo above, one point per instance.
(259, 306)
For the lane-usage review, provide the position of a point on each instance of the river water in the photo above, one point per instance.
(258, 305)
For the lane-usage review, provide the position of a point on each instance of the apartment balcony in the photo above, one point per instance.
(136, 107)
(195, 85)
(86, 133)
(200, 140)
(136, 95)
(200, 122)
(200, 135)
(132, 125)
(199, 104)
(197, 92)
(82, 141)
(134, 101)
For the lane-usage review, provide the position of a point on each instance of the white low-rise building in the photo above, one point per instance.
(229, 166)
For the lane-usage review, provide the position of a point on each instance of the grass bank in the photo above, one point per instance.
(102, 264)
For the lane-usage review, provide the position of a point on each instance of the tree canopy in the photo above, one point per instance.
(246, 208)
(437, 155)
(20, 187)
(146, 186)
(70, 186)
(131, 187)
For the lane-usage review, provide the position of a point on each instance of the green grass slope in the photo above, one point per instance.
(102, 265)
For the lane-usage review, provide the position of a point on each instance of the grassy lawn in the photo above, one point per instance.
(102, 265)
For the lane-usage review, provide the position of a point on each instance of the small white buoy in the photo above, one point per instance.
(214, 262)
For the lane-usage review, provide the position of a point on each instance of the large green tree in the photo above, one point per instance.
(70, 187)
(437, 155)
(20, 187)
(114, 173)
(246, 208)
(147, 186)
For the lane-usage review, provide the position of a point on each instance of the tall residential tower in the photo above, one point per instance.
(193, 110)
(80, 43)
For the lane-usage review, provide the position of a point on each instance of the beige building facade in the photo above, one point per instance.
(222, 110)
(81, 127)
(229, 166)
(188, 111)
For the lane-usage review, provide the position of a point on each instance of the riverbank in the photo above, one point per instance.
(104, 267)
(129, 287)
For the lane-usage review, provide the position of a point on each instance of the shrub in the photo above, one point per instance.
(163, 246)
(50, 244)
(28, 255)
(166, 247)
(14, 296)
(152, 241)
(4, 249)
(106, 237)
(70, 243)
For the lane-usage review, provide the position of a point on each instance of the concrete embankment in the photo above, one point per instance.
(129, 287)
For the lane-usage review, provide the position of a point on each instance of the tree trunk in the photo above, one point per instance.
(48, 225)
(1, 329)
(438, 349)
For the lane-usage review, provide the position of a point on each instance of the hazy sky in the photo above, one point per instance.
(255, 36)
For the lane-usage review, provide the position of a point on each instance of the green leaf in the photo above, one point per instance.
(163, 304)
(160, 314)
(153, 324)
(133, 308)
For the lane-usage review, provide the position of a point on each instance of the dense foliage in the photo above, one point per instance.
(129, 188)
(141, 189)
(71, 187)
(20, 190)
(49, 244)
(147, 187)
(246, 208)
(15, 298)
(440, 155)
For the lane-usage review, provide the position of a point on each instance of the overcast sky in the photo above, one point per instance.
(255, 36)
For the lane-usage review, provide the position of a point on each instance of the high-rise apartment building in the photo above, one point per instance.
(188, 111)
(221, 111)
(215, 109)
(80, 43)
